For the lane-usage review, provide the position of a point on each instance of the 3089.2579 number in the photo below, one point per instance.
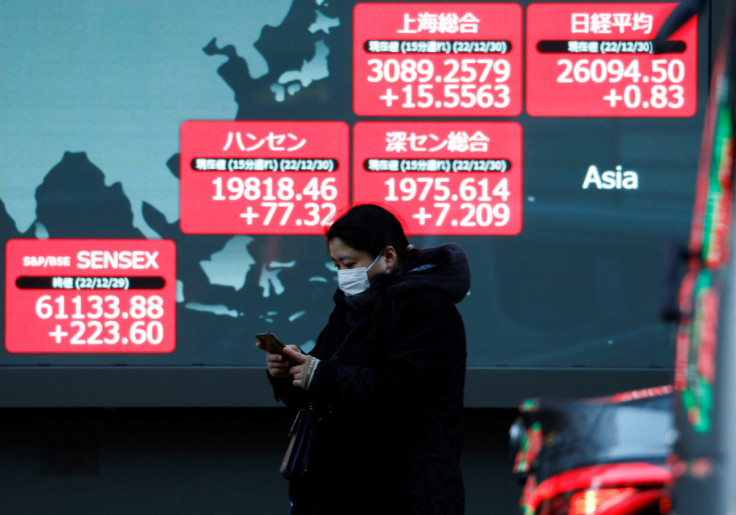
(423, 70)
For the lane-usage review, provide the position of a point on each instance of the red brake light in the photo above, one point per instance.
(589, 501)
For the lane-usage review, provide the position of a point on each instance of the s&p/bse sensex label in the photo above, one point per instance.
(437, 59)
(462, 178)
(263, 177)
(90, 296)
(597, 59)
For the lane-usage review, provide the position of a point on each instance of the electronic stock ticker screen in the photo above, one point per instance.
(178, 205)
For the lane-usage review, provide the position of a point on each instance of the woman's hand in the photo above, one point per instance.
(277, 364)
(303, 371)
(297, 371)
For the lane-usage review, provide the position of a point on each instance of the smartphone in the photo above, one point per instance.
(273, 345)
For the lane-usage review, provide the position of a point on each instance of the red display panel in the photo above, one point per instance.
(262, 177)
(442, 178)
(90, 296)
(596, 60)
(437, 59)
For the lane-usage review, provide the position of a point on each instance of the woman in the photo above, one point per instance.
(386, 374)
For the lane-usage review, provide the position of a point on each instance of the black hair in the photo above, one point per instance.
(371, 228)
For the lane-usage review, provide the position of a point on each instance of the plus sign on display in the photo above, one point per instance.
(262, 177)
(444, 59)
(442, 178)
(90, 296)
(599, 59)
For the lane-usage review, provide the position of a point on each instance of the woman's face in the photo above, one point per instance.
(346, 257)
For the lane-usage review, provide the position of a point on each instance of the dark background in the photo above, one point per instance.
(192, 461)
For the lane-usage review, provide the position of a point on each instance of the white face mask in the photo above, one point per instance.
(353, 281)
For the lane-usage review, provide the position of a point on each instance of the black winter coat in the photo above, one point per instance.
(390, 383)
